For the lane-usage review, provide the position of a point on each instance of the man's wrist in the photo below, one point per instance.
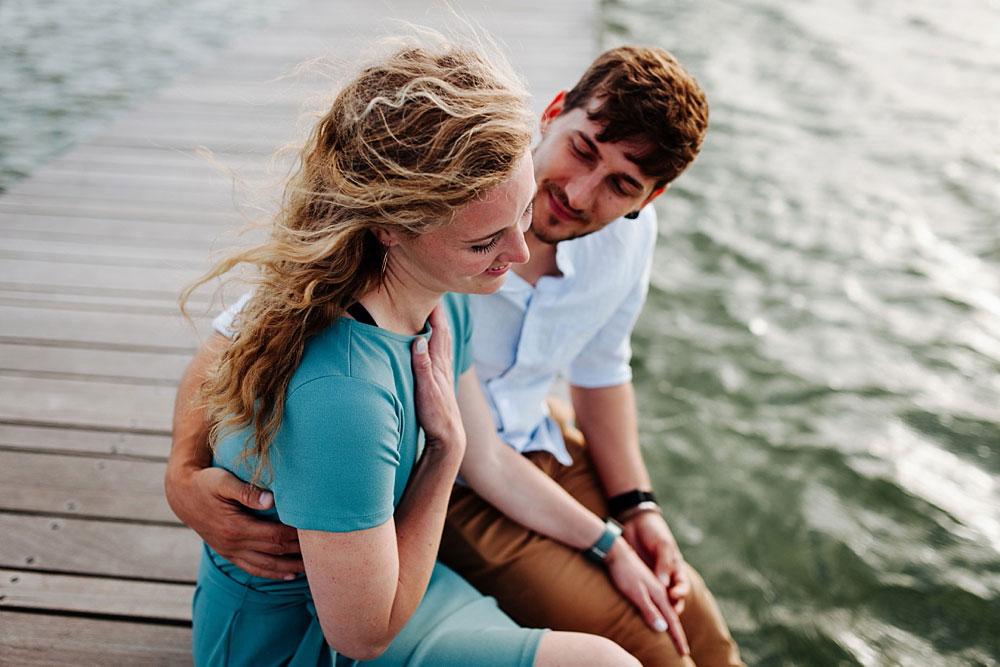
(647, 507)
(625, 506)
(178, 468)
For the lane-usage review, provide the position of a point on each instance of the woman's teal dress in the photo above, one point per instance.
(340, 461)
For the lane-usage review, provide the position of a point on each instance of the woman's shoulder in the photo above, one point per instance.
(343, 356)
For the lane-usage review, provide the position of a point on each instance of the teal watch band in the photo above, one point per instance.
(599, 551)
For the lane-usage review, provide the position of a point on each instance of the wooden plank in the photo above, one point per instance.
(198, 239)
(48, 639)
(207, 187)
(183, 198)
(22, 589)
(94, 157)
(54, 205)
(117, 231)
(79, 298)
(206, 184)
(198, 130)
(194, 177)
(110, 299)
(111, 260)
(86, 404)
(55, 323)
(58, 250)
(108, 548)
(65, 439)
(94, 487)
(169, 280)
(163, 368)
(29, 237)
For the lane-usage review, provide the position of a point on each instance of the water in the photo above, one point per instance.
(66, 67)
(819, 362)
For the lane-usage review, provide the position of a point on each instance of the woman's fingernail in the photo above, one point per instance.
(266, 499)
(660, 625)
(421, 345)
(289, 577)
(664, 579)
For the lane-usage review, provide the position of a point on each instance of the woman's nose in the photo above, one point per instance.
(517, 250)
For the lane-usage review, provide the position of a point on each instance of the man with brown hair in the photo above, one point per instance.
(609, 147)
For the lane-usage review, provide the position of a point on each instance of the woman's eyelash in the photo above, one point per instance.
(485, 248)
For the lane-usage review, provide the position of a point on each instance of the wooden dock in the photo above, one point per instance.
(94, 249)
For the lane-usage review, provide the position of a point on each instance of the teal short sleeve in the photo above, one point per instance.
(336, 455)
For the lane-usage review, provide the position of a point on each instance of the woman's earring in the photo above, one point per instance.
(381, 275)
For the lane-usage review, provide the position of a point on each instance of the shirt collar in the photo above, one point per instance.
(564, 258)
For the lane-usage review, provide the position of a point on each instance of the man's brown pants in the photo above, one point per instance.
(542, 583)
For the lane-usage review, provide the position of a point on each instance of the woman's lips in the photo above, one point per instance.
(498, 270)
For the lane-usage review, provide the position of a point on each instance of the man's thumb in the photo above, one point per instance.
(254, 497)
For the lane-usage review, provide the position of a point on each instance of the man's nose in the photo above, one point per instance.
(580, 191)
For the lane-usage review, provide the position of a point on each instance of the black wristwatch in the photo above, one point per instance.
(626, 505)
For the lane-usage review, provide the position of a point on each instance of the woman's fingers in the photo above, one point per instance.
(646, 592)
(440, 344)
(660, 615)
(437, 409)
(421, 361)
(649, 612)
(668, 618)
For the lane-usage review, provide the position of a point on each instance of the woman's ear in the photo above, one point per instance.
(383, 237)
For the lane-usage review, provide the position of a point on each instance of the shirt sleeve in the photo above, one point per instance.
(223, 322)
(604, 359)
(335, 459)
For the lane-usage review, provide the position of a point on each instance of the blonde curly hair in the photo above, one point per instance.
(412, 138)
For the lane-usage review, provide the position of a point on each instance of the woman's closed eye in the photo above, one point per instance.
(486, 248)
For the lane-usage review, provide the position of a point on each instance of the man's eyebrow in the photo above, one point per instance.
(631, 158)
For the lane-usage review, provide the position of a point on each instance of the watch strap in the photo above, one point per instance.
(599, 550)
(629, 499)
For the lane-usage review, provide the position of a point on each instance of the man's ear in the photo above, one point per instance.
(554, 109)
(632, 215)
(654, 194)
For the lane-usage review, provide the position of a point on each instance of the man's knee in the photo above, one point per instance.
(652, 648)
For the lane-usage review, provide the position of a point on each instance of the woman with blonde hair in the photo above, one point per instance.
(337, 392)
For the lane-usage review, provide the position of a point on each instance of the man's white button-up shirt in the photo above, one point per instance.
(577, 325)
